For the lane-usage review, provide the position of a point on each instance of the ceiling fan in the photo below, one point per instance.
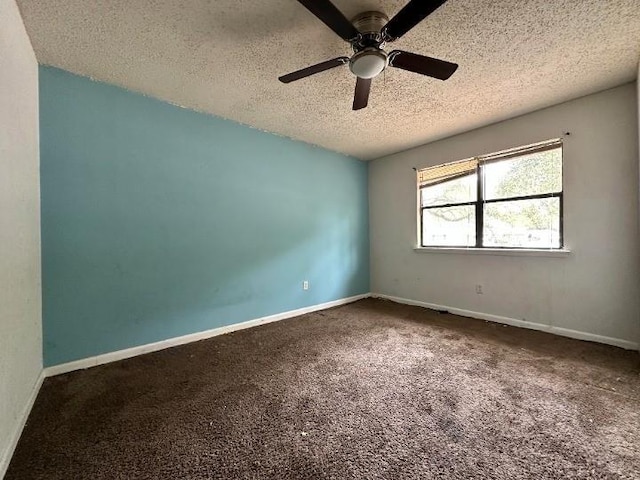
(368, 33)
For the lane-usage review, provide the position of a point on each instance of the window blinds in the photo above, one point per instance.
(449, 171)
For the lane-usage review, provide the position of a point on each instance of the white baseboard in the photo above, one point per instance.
(5, 457)
(564, 332)
(192, 337)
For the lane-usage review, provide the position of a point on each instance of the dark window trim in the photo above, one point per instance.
(480, 201)
(479, 207)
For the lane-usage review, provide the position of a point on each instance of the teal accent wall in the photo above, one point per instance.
(158, 221)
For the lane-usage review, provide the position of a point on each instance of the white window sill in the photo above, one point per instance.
(512, 252)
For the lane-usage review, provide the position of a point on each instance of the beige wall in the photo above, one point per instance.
(594, 290)
(20, 304)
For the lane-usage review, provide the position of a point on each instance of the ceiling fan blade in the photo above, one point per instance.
(332, 18)
(413, 13)
(313, 69)
(413, 62)
(361, 97)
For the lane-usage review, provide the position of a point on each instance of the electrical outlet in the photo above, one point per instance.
(305, 285)
(479, 289)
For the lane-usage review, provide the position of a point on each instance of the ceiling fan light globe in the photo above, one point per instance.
(368, 63)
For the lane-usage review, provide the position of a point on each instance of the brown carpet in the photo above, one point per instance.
(371, 390)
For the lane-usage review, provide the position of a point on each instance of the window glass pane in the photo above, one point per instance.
(529, 174)
(533, 223)
(458, 190)
(449, 226)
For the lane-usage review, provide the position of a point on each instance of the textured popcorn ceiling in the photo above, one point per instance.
(224, 57)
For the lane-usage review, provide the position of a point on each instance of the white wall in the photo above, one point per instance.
(20, 296)
(594, 290)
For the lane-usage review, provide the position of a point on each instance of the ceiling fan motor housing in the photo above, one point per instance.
(370, 22)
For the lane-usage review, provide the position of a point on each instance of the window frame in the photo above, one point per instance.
(480, 202)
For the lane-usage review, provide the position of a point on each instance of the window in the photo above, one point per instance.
(509, 199)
